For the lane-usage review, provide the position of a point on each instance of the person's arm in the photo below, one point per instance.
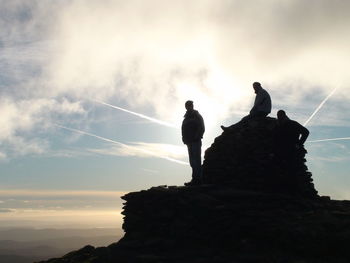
(183, 132)
(253, 109)
(201, 127)
(304, 134)
(259, 100)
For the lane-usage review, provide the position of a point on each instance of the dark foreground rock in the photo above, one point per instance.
(253, 207)
(219, 224)
(247, 157)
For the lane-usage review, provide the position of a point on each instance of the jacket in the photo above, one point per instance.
(262, 102)
(192, 127)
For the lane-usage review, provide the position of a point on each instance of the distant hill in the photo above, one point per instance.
(29, 245)
(18, 259)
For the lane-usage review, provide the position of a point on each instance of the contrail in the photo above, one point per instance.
(139, 115)
(319, 107)
(121, 144)
(333, 139)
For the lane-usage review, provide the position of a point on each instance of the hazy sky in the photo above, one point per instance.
(92, 93)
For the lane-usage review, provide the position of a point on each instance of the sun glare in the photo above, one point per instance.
(215, 98)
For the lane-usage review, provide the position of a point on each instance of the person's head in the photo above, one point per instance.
(189, 105)
(257, 87)
(281, 116)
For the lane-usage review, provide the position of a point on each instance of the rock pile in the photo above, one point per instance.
(219, 224)
(253, 207)
(245, 158)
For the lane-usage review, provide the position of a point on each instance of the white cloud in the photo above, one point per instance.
(150, 171)
(5, 210)
(21, 118)
(163, 151)
(61, 207)
(132, 50)
(3, 156)
(68, 153)
(331, 159)
(58, 218)
(146, 150)
(157, 54)
(142, 149)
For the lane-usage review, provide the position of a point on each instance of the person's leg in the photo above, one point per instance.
(191, 156)
(253, 115)
(244, 119)
(260, 114)
(197, 161)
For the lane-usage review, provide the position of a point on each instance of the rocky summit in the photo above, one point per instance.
(252, 207)
(245, 157)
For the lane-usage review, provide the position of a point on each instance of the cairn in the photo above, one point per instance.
(245, 158)
(254, 206)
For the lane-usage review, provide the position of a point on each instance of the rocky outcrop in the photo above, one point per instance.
(220, 224)
(245, 157)
(253, 207)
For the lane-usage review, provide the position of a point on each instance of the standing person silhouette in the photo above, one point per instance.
(192, 133)
(262, 105)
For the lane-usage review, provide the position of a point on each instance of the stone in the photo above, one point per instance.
(247, 153)
(251, 208)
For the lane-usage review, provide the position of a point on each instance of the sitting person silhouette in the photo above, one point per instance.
(261, 107)
(290, 137)
(192, 133)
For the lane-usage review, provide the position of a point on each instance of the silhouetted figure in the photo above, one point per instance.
(192, 133)
(290, 137)
(261, 107)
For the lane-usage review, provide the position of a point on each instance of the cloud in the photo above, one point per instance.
(68, 153)
(23, 118)
(155, 55)
(3, 156)
(58, 218)
(150, 171)
(211, 56)
(2, 210)
(329, 150)
(341, 194)
(162, 151)
(331, 159)
(59, 193)
(61, 205)
(141, 149)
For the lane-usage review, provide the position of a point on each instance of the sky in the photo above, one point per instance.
(92, 94)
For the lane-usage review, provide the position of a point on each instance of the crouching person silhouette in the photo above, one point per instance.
(192, 133)
(290, 137)
(289, 152)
